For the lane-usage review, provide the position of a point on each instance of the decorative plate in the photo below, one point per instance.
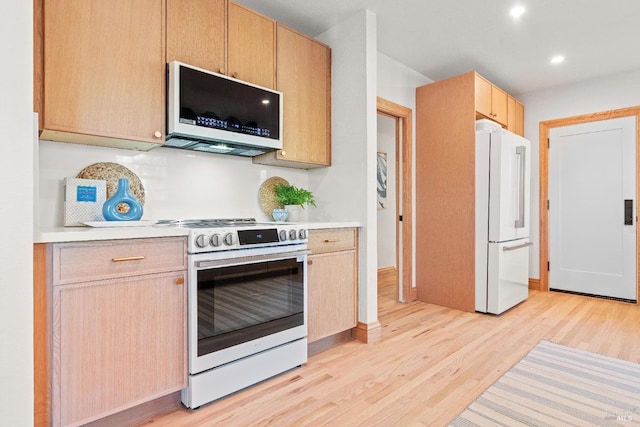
(267, 196)
(111, 172)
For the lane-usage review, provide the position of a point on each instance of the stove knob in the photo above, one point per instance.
(215, 240)
(292, 235)
(302, 234)
(283, 235)
(201, 241)
(228, 239)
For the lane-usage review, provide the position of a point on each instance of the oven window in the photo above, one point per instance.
(244, 302)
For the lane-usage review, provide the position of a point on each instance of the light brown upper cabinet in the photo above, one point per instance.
(491, 101)
(252, 46)
(304, 78)
(519, 129)
(223, 37)
(515, 116)
(197, 33)
(103, 72)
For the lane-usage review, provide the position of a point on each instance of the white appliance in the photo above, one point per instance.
(502, 206)
(214, 113)
(247, 303)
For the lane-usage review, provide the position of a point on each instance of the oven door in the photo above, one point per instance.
(243, 302)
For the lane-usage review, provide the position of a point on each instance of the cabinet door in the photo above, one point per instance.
(197, 33)
(304, 77)
(515, 116)
(116, 344)
(499, 105)
(332, 294)
(519, 119)
(252, 41)
(483, 96)
(104, 68)
(511, 113)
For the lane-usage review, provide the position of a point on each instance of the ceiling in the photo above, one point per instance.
(440, 39)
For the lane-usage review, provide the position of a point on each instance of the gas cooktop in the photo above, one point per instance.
(209, 222)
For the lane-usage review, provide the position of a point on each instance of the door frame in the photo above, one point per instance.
(544, 180)
(403, 115)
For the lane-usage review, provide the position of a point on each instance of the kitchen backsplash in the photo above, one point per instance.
(178, 184)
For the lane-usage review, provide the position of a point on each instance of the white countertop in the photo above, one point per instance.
(83, 234)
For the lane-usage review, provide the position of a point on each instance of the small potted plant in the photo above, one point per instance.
(293, 198)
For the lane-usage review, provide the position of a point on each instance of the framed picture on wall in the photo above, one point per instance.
(382, 179)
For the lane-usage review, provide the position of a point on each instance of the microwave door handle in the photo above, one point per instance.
(521, 153)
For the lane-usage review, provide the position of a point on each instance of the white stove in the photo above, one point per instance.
(224, 234)
(246, 303)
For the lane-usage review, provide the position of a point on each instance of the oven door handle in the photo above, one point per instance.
(250, 259)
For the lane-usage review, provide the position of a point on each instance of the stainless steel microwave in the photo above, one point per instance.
(214, 113)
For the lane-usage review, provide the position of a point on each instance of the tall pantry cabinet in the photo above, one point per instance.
(445, 183)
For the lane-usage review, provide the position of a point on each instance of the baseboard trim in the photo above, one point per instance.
(534, 284)
(387, 276)
(367, 332)
(326, 343)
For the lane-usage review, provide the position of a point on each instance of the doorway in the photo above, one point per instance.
(402, 131)
(592, 208)
(545, 129)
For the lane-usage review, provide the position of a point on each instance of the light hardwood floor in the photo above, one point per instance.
(430, 363)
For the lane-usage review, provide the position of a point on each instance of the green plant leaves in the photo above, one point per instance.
(292, 195)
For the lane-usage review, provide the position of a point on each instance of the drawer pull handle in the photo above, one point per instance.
(128, 258)
(331, 240)
(310, 262)
(180, 281)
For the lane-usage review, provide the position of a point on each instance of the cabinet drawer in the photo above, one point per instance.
(332, 240)
(82, 261)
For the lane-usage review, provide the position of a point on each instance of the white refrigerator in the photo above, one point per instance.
(502, 204)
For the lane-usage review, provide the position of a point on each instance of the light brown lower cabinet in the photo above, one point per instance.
(333, 280)
(120, 340)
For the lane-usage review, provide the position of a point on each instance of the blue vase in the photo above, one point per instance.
(122, 195)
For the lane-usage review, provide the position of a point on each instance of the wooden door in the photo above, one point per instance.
(197, 33)
(252, 46)
(116, 344)
(592, 239)
(304, 77)
(104, 68)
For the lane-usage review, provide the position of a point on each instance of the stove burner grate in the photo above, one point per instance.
(209, 223)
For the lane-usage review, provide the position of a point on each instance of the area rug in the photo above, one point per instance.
(555, 385)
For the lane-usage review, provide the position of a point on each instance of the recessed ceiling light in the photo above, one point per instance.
(517, 11)
(557, 59)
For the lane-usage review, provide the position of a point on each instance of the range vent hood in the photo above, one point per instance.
(218, 147)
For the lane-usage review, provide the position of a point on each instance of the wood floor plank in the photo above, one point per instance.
(429, 364)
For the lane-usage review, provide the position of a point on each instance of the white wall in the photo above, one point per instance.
(350, 182)
(16, 212)
(387, 217)
(591, 96)
(398, 83)
(179, 184)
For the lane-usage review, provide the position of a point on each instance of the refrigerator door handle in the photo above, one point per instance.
(521, 153)
(513, 248)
